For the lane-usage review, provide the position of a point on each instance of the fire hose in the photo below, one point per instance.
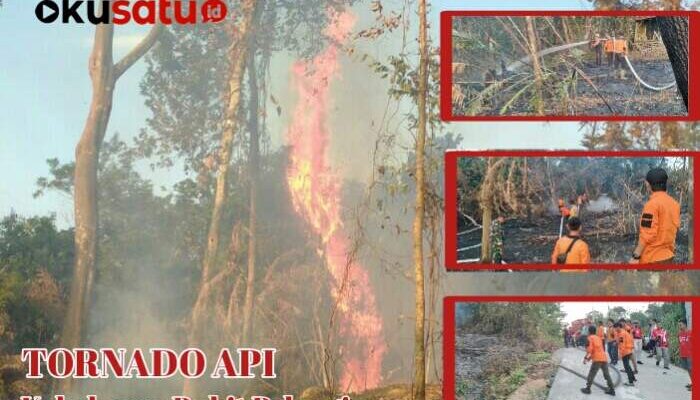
(646, 85)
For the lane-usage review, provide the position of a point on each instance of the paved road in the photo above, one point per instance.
(654, 383)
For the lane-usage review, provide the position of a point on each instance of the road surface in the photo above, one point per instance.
(654, 383)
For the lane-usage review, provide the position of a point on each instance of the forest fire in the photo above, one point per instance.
(316, 195)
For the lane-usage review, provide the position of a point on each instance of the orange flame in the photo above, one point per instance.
(315, 192)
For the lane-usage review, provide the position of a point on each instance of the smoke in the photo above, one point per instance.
(602, 204)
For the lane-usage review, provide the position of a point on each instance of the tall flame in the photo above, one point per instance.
(316, 194)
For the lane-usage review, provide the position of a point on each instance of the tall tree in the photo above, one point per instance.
(536, 67)
(253, 166)
(104, 74)
(674, 32)
(238, 57)
(418, 222)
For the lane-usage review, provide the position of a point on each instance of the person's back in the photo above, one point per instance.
(596, 350)
(579, 253)
(659, 225)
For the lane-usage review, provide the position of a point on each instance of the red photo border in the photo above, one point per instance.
(449, 333)
(446, 65)
(451, 157)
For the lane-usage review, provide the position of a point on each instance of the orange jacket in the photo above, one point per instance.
(626, 343)
(616, 46)
(579, 254)
(659, 224)
(600, 332)
(595, 349)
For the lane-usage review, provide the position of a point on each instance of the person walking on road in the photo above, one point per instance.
(595, 352)
(653, 326)
(662, 347)
(611, 340)
(638, 337)
(633, 357)
(626, 348)
(685, 350)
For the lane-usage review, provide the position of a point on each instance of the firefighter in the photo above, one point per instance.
(625, 346)
(685, 350)
(595, 352)
(633, 356)
(574, 210)
(571, 249)
(659, 224)
(597, 45)
(497, 240)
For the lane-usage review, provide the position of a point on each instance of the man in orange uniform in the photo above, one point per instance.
(596, 353)
(633, 357)
(625, 348)
(571, 249)
(660, 221)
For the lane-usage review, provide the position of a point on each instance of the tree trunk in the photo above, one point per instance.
(486, 219)
(567, 31)
(419, 334)
(486, 202)
(237, 56)
(674, 32)
(104, 75)
(253, 161)
(85, 190)
(538, 101)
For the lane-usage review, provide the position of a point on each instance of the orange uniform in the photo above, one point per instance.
(618, 46)
(595, 349)
(660, 221)
(625, 343)
(600, 332)
(579, 253)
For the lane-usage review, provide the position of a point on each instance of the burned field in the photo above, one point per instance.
(513, 210)
(532, 241)
(563, 66)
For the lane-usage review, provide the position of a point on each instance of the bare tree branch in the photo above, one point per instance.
(137, 52)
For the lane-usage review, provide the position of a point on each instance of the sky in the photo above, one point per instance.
(45, 93)
(578, 310)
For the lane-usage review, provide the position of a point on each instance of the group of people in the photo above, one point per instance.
(659, 223)
(614, 47)
(658, 226)
(624, 340)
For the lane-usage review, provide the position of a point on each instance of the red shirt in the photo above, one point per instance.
(661, 333)
(637, 333)
(685, 344)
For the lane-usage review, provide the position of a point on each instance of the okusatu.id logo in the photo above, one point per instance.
(120, 12)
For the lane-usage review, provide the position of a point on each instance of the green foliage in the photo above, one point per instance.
(669, 315)
(35, 268)
(462, 389)
(532, 322)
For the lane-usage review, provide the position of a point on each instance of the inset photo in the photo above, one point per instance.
(566, 66)
(568, 349)
(569, 210)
